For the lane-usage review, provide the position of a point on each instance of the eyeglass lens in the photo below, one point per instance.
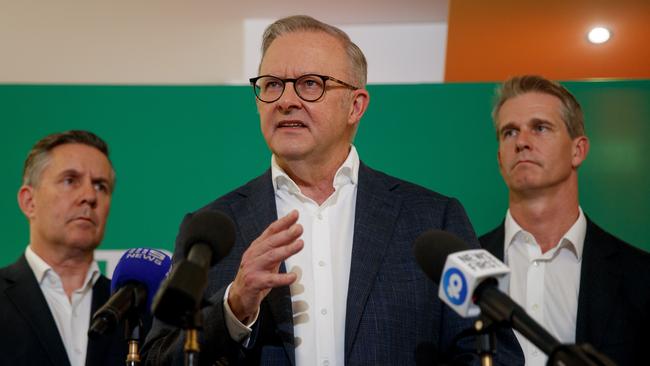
(308, 87)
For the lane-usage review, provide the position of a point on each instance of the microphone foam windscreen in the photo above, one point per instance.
(212, 228)
(142, 265)
(432, 248)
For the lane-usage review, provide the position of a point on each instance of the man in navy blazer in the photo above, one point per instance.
(48, 296)
(30, 335)
(322, 271)
(582, 283)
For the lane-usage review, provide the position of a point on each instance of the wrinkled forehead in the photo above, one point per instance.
(303, 52)
(79, 158)
(530, 106)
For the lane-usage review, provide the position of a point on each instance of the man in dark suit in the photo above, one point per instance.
(333, 281)
(48, 296)
(580, 282)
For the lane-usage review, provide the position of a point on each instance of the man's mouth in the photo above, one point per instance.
(291, 124)
(520, 162)
(84, 219)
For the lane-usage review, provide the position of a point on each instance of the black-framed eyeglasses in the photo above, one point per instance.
(309, 87)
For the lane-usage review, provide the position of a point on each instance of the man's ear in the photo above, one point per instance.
(26, 200)
(360, 101)
(580, 151)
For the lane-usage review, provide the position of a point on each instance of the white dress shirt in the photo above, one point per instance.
(546, 285)
(319, 295)
(72, 316)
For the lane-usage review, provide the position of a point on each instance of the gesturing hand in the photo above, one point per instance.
(260, 264)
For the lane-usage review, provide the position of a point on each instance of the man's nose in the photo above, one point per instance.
(88, 194)
(289, 98)
(523, 141)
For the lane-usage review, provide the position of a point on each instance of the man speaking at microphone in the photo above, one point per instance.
(48, 296)
(580, 282)
(322, 271)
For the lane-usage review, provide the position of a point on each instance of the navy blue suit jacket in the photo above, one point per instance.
(393, 314)
(29, 334)
(614, 298)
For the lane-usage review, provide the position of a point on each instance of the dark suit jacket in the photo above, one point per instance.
(29, 334)
(393, 315)
(614, 299)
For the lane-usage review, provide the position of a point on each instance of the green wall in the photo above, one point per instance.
(175, 148)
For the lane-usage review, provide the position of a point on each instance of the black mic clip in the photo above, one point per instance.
(180, 296)
(578, 354)
(119, 306)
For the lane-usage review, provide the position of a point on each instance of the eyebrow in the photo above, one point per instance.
(537, 121)
(101, 180)
(75, 173)
(533, 121)
(508, 125)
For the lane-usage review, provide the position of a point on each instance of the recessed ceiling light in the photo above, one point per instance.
(598, 35)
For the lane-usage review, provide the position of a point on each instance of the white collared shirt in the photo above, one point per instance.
(72, 316)
(319, 296)
(545, 285)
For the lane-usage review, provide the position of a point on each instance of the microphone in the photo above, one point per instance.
(470, 287)
(204, 239)
(465, 269)
(136, 278)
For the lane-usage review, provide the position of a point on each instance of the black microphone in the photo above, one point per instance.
(204, 239)
(136, 278)
(467, 277)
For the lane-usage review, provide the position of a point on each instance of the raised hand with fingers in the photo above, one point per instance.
(260, 264)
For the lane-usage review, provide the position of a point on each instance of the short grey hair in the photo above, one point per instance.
(297, 23)
(40, 154)
(571, 111)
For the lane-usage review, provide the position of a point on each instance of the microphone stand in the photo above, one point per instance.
(500, 309)
(485, 340)
(191, 348)
(132, 327)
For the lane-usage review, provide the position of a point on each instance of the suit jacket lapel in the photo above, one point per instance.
(376, 211)
(29, 301)
(598, 282)
(254, 215)
(97, 348)
(493, 241)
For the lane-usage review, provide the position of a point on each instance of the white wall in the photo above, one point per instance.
(194, 41)
(396, 53)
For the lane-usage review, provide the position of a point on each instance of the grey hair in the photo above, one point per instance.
(297, 23)
(40, 154)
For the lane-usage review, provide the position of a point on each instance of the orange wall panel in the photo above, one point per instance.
(493, 40)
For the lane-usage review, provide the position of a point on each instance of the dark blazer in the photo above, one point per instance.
(393, 315)
(29, 334)
(614, 298)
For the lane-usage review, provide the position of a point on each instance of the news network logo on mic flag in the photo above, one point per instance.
(146, 265)
(151, 255)
(455, 286)
(463, 272)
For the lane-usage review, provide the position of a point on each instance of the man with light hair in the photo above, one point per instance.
(322, 271)
(580, 282)
(48, 296)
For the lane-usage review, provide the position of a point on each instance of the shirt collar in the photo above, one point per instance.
(348, 173)
(573, 239)
(42, 270)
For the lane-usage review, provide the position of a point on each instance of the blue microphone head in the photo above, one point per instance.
(143, 265)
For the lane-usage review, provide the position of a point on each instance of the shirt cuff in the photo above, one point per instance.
(238, 331)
